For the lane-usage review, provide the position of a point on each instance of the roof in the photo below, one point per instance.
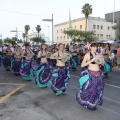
(79, 19)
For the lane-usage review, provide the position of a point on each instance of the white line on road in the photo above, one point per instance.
(99, 106)
(103, 97)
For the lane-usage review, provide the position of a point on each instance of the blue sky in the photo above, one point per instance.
(41, 9)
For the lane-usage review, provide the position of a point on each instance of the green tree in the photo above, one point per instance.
(10, 41)
(79, 36)
(0, 41)
(87, 10)
(38, 29)
(38, 40)
(27, 28)
(116, 27)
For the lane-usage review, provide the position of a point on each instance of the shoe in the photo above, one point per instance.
(63, 93)
(57, 94)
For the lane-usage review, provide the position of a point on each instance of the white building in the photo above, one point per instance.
(103, 29)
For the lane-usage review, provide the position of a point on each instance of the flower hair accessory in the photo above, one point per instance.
(88, 46)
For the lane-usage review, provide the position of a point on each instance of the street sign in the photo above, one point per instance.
(49, 20)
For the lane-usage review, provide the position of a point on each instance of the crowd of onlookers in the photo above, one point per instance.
(111, 51)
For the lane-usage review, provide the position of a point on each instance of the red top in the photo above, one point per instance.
(118, 52)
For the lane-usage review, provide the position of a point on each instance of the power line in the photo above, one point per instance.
(29, 13)
(22, 13)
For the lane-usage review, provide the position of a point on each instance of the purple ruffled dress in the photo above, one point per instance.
(91, 89)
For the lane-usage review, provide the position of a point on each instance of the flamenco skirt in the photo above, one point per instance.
(91, 89)
(16, 66)
(107, 68)
(74, 61)
(7, 63)
(27, 70)
(43, 75)
(60, 79)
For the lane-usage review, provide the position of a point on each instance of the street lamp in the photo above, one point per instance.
(48, 35)
(16, 32)
(50, 20)
(114, 12)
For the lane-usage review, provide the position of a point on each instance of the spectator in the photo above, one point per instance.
(118, 55)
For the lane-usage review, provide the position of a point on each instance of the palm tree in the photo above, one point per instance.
(27, 28)
(87, 10)
(23, 35)
(38, 29)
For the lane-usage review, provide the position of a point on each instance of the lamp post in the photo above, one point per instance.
(114, 12)
(16, 33)
(48, 35)
(113, 16)
(50, 20)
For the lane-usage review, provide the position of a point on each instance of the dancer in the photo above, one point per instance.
(27, 69)
(108, 64)
(7, 58)
(91, 81)
(74, 59)
(17, 60)
(43, 72)
(60, 74)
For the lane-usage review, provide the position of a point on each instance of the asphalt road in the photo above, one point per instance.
(33, 103)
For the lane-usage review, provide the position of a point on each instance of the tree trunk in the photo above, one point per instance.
(86, 24)
(38, 34)
(26, 37)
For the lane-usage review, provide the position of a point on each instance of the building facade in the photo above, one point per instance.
(109, 17)
(103, 29)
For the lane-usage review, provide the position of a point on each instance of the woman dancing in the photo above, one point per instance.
(74, 59)
(7, 58)
(91, 81)
(60, 75)
(43, 72)
(27, 69)
(17, 60)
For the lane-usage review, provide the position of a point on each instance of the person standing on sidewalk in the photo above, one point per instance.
(118, 55)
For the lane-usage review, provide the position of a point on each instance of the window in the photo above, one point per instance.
(108, 28)
(61, 37)
(109, 37)
(94, 34)
(57, 31)
(101, 36)
(80, 27)
(94, 26)
(106, 36)
(98, 35)
(101, 27)
(57, 38)
(64, 29)
(75, 27)
(64, 37)
(61, 30)
(97, 26)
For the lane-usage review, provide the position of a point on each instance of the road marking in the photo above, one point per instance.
(99, 106)
(105, 84)
(113, 86)
(103, 97)
(12, 92)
